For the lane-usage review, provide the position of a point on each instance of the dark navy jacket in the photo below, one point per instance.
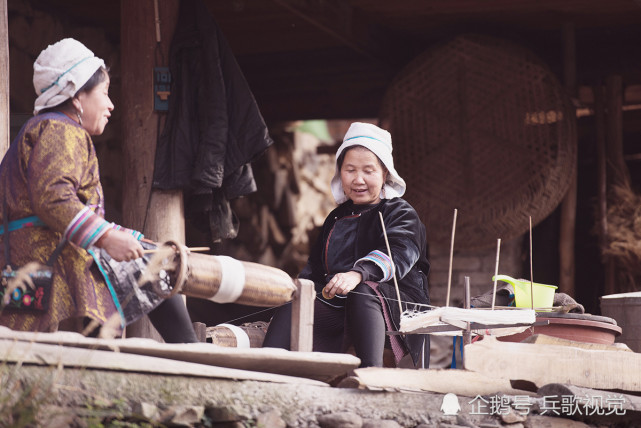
(408, 245)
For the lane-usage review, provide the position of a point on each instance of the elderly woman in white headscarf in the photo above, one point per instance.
(50, 193)
(350, 264)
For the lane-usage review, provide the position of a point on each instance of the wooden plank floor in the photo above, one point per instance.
(319, 366)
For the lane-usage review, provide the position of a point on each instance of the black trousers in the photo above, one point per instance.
(360, 323)
(172, 321)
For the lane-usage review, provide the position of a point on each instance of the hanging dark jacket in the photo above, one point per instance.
(214, 128)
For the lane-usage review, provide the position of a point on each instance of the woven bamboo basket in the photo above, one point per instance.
(222, 279)
(481, 125)
(249, 335)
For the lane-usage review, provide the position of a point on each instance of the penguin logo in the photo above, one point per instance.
(450, 404)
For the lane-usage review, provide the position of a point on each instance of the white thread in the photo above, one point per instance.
(242, 339)
(232, 282)
(319, 294)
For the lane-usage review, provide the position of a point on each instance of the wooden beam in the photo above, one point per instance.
(157, 215)
(201, 331)
(139, 121)
(5, 130)
(544, 339)
(315, 365)
(631, 95)
(441, 381)
(568, 206)
(303, 316)
(54, 355)
(344, 22)
(602, 187)
(544, 364)
(617, 172)
(569, 59)
(165, 216)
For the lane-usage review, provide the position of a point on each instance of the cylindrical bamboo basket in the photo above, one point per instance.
(223, 279)
(249, 335)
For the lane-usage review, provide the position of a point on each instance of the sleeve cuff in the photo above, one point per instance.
(380, 260)
(86, 228)
(132, 232)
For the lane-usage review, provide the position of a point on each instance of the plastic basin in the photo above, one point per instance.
(543, 293)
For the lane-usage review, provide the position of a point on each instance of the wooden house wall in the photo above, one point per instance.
(349, 84)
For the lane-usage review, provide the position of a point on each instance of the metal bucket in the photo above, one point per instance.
(625, 308)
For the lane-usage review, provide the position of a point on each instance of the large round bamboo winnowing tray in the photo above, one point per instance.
(480, 125)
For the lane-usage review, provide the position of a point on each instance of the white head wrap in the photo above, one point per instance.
(378, 141)
(60, 70)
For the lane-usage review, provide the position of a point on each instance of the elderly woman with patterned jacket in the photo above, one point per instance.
(350, 265)
(50, 191)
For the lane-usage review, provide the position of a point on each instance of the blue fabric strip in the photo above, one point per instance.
(364, 136)
(55, 82)
(110, 287)
(32, 221)
(383, 262)
(90, 239)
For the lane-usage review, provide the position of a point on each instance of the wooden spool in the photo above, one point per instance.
(245, 336)
(223, 279)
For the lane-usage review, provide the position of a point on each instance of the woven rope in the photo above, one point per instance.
(481, 125)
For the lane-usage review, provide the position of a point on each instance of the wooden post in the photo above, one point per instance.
(616, 170)
(302, 338)
(602, 183)
(618, 174)
(166, 216)
(467, 333)
(158, 215)
(569, 59)
(568, 206)
(201, 331)
(4, 80)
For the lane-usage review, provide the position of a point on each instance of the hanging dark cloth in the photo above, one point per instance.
(214, 128)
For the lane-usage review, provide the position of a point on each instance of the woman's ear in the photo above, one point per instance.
(76, 104)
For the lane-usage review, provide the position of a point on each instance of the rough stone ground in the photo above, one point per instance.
(95, 398)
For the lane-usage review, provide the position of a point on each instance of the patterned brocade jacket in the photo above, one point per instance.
(335, 252)
(51, 171)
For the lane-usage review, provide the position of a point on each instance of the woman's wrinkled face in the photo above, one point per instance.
(362, 176)
(96, 108)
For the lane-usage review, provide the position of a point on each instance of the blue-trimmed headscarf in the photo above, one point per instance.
(61, 70)
(379, 142)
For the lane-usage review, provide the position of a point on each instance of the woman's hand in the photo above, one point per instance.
(342, 283)
(121, 246)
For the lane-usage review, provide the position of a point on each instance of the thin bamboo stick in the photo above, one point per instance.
(389, 253)
(496, 270)
(449, 274)
(192, 249)
(531, 269)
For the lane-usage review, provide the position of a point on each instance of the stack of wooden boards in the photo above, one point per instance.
(540, 365)
(194, 359)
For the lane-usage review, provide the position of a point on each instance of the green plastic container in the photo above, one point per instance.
(543, 293)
